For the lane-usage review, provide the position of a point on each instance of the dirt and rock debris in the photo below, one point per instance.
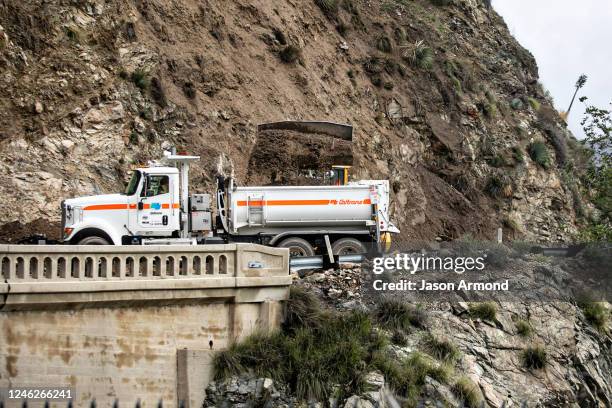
(286, 157)
(438, 95)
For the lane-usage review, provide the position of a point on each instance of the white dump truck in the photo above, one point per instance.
(157, 208)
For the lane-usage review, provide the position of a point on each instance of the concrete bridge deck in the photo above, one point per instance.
(133, 321)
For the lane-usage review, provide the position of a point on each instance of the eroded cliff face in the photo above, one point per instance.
(443, 100)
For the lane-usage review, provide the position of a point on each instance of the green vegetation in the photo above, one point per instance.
(510, 223)
(534, 357)
(517, 154)
(189, 90)
(539, 154)
(316, 350)
(517, 104)
(408, 376)
(484, 310)
(534, 103)
(328, 7)
(399, 338)
(422, 56)
(597, 177)
(468, 392)
(140, 79)
(523, 328)
(595, 313)
(489, 109)
(497, 161)
(290, 54)
(383, 43)
(397, 315)
(73, 33)
(440, 348)
(322, 353)
(498, 186)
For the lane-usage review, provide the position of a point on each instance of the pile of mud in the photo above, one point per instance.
(13, 232)
(290, 157)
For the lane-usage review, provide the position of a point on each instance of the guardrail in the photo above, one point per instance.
(57, 263)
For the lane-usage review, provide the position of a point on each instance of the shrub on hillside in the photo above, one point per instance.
(468, 392)
(383, 43)
(539, 154)
(534, 357)
(328, 7)
(524, 328)
(440, 348)
(140, 79)
(499, 186)
(483, 310)
(397, 315)
(290, 54)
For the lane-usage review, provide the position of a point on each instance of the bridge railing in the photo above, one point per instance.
(44, 263)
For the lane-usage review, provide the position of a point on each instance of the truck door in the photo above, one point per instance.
(156, 206)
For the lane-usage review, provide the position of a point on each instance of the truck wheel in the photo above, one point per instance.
(348, 246)
(93, 241)
(297, 247)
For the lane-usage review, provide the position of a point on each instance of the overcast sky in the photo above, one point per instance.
(567, 38)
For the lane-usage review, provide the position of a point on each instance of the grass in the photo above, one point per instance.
(516, 104)
(511, 224)
(498, 186)
(189, 90)
(440, 348)
(397, 315)
(524, 328)
(140, 79)
(517, 154)
(328, 7)
(399, 338)
(290, 54)
(468, 392)
(594, 312)
(406, 377)
(534, 357)
(534, 103)
(383, 44)
(484, 310)
(316, 351)
(489, 109)
(539, 154)
(420, 55)
(497, 161)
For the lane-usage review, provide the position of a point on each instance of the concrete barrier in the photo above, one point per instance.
(132, 321)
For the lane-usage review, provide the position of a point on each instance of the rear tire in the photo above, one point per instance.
(297, 247)
(348, 246)
(93, 240)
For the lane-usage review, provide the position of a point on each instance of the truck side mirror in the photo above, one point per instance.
(140, 205)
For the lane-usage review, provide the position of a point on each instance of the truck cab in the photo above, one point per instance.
(149, 207)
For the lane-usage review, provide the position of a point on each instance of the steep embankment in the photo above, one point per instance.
(445, 103)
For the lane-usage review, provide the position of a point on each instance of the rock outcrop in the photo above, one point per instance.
(443, 100)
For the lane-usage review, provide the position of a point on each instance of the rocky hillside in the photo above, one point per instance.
(445, 103)
(529, 347)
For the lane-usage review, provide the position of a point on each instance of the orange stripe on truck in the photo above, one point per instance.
(260, 203)
(98, 207)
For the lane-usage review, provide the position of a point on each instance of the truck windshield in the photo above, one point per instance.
(133, 184)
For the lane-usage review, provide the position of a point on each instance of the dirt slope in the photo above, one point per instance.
(443, 100)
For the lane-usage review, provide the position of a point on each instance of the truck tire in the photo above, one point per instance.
(297, 247)
(348, 246)
(93, 240)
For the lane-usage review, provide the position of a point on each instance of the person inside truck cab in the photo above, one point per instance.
(157, 185)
